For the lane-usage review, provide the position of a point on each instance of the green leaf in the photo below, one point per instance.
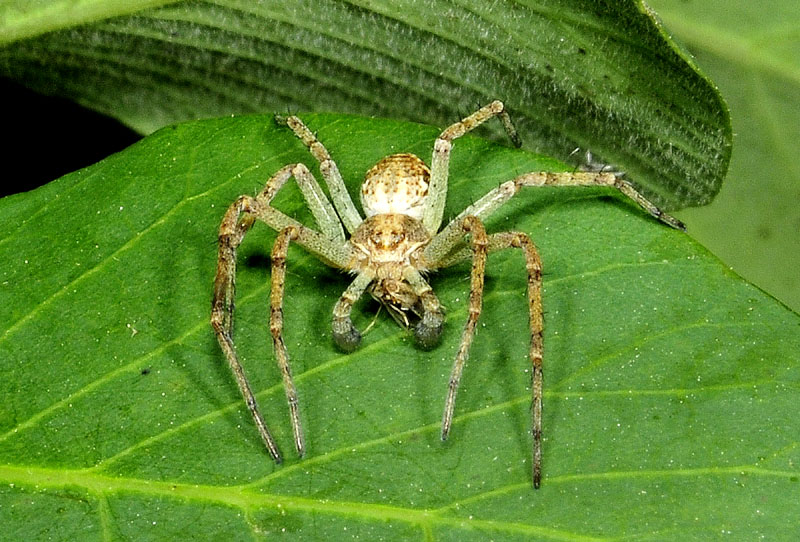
(574, 73)
(752, 55)
(25, 18)
(670, 383)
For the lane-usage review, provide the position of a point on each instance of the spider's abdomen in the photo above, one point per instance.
(398, 184)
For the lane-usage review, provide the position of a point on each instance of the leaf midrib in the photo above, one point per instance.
(101, 485)
(238, 496)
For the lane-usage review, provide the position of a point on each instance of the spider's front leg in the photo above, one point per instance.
(441, 257)
(231, 232)
(278, 276)
(533, 265)
(480, 243)
(329, 246)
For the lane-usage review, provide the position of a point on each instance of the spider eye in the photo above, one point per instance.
(387, 239)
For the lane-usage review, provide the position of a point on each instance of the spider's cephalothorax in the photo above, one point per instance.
(388, 244)
(388, 251)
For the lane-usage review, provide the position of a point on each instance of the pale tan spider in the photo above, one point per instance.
(389, 252)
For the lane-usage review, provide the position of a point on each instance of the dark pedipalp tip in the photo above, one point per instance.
(427, 336)
(347, 341)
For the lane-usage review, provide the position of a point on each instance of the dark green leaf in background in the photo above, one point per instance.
(671, 383)
(753, 55)
(574, 73)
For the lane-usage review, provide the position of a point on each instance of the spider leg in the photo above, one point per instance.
(320, 207)
(279, 251)
(238, 220)
(317, 202)
(345, 335)
(232, 230)
(336, 254)
(443, 251)
(440, 163)
(437, 253)
(533, 264)
(586, 178)
(330, 172)
(473, 226)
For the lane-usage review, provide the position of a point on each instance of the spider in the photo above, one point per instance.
(390, 252)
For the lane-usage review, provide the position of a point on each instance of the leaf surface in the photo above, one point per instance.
(574, 73)
(671, 384)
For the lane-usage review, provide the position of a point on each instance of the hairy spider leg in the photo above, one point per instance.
(321, 208)
(336, 254)
(479, 243)
(231, 233)
(440, 253)
(278, 277)
(238, 220)
(330, 172)
(440, 162)
(533, 265)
